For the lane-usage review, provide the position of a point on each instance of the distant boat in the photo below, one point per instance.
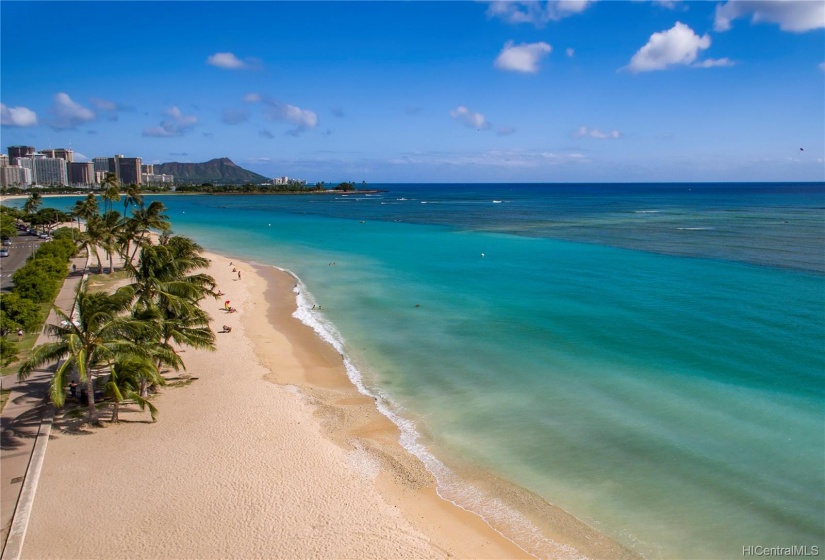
(496, 202)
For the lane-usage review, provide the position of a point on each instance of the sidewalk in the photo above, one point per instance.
(21, 418)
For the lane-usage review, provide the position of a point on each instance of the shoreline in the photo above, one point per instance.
(526, 519)
(268, 451)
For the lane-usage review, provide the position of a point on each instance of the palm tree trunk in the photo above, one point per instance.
(99, 263)
(111, 262)
(90, 389)
(115, 417)
(137, 246)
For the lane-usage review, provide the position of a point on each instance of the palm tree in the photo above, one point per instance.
(144, 219)
(33, 203)
(127, 377)
(109, 240)
(85, 209)
(167, 290)
(109, 187)
(102, 335)
(133, 197)
(93, 237)
(162, 275)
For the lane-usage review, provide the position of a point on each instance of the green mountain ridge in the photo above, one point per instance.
(219, 171)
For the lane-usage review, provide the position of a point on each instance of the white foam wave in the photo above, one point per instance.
(496, 202)
(646, 211)
(448, 485)
(695, 228)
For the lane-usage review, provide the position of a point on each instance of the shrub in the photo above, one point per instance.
(31, 282)
(18, 313)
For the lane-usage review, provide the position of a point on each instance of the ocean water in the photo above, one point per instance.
(648, 358)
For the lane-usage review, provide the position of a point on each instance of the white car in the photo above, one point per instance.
(7, 243)
(4, 252)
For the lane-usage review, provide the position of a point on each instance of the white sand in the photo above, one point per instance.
(244, 464)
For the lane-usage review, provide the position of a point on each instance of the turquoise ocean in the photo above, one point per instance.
(647, 357)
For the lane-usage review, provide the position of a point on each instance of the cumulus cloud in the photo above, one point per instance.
(302, 118)
(791, 15)
(229, 61)
(252, 97)
(585, 132)
(714, 63)
(17, 116)
(522, 58)
(68, 113)
(176, 124)
(110, 108)
(468, 118)
(677, 45)
(537, 13)
(570, 52)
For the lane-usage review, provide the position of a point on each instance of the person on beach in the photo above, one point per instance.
(226, 305)
(239, 275)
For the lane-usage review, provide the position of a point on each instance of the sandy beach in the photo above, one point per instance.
(269, 452)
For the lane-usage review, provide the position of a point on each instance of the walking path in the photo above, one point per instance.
(20, 424)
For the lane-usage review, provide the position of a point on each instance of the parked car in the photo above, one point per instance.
(43, 235)
(4, 252)
(7, 242)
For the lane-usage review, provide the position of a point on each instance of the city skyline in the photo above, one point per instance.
(428, 92)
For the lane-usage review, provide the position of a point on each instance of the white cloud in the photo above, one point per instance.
(522, 58)
(252, 97)
(111, 108)
(17, 116)
(677, 45)
(468, 118)
(226, 60)
(515, 11)
(585, 132)
(301, 118)
(715, 62)
(822, 66)
(68, 113)
(570, 52)
(797, 16)
(177, 124)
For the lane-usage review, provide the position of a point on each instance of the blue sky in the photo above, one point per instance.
(573, 91)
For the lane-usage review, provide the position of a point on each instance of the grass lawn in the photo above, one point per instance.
(107, 282)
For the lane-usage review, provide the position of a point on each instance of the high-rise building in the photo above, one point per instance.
(61, 153)
(46, 170)
(148, 168)
(128, 170)
(19, 151)
(4, 160)
(15, 176)
(81, 173)
(101, 164)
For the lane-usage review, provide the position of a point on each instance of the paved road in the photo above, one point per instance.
(21, 247)
(20, 419)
